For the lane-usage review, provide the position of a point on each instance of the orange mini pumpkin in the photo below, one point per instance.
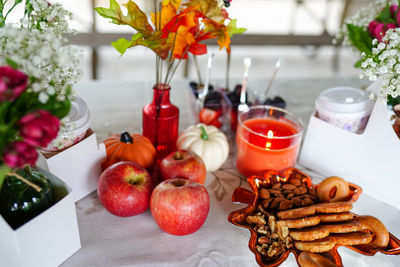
(127, 147)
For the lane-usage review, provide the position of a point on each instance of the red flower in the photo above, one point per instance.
(19, 154)
(378, 29)
(12, 83)
(39, 128)
(393, 10)
(397, 17)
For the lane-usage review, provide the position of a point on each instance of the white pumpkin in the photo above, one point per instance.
(207, 142)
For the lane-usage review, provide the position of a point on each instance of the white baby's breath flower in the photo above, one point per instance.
(43, 97)
(36, 87)
(50, 90)
(364, 64)
(381, 46)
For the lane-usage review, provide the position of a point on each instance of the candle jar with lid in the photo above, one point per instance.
(345, 107)
(74, 127)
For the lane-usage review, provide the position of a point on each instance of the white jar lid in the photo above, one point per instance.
(79, 115)
(344, 100)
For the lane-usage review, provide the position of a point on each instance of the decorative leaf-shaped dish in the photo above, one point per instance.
(251, 198)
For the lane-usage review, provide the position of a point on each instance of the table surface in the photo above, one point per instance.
(108, 240)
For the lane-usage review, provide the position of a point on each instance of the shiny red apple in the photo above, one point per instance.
(124, 189)
(184, 164)
(179, 206)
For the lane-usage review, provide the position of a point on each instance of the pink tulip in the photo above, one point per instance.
(39, 128)
(393, 9)
(12, 83)
(371, 27)
(378, 30)
(397, 17)
(19, 154)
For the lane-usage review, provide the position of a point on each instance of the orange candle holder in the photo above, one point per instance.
(267, 138)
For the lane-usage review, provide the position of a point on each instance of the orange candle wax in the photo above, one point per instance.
(266, 144)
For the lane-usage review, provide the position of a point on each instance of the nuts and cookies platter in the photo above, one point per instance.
(288, 214)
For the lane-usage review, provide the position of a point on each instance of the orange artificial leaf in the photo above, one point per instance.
(198, 49)
(224, 41)
(187, 18)
(211, 9)
(220, 31)
(168, 12)
(182, 41)
(175, 3)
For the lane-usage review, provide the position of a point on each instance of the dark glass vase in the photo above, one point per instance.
(19, 201)
(161, 121)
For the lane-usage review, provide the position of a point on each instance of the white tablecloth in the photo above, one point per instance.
(108, 240)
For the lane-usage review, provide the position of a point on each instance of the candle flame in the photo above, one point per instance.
(270, 134)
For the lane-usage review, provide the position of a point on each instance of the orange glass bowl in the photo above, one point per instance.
(245, 196)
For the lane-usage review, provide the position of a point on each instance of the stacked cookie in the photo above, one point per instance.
(319, 227)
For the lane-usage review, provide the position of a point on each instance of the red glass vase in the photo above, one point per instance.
(161, 121)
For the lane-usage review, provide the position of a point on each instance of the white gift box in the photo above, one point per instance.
(46, 240)
(79, 165)
(368, 159)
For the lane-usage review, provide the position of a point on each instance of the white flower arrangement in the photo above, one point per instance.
(374, 31)
(37, 46)
(385, 62)
(361, 18)
(50, 18)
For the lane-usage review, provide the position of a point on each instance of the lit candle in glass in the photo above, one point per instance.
(267, 138)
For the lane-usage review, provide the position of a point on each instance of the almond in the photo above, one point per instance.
(301, 190)
(307, 201)
(264, 193)
(288, 186)
(286, 192)
(274, 191)
(295, 181)
(276, 186)
(286, 204)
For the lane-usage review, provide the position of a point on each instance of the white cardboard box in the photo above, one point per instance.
(367, 159)
(46, 240)
(79, 165)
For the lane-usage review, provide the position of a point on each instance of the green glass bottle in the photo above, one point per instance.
(19, 201)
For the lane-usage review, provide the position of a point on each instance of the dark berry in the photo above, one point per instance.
(276, 102)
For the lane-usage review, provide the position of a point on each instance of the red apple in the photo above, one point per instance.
(179, 206)
(125, 188)
(183, 164)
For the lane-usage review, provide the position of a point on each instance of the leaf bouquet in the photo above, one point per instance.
(374, 31)
(174, 30)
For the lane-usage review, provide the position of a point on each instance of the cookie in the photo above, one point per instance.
(296, 213)
(344, 227)
(355, 238)
(316, 246)
(309, 233)
(303, 222)
(335, 217)
(333, 207)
